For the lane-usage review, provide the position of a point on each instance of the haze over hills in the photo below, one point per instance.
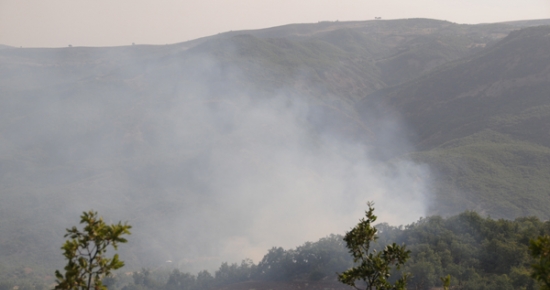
(211, 148)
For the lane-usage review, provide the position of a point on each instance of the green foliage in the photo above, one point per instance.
(86, 253)
(446, 282)
(180, 281)
(374, 268)
(477, 252)
(312, 260)
(144, 278)
(204, 280)
(276, 265)
(234, 273)
(539, 249)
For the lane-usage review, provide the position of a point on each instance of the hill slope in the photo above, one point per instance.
(483, 124)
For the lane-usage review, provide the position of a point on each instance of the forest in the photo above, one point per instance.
(477, 252)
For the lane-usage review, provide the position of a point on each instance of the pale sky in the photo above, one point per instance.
(57, 23)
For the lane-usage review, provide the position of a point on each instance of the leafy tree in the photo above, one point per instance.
(539, 249)
(276, 265)
(143, 278)
(204, 280)
(236, 273)
(146, 280)
(180, 281)
(86, 253)
(372, 267)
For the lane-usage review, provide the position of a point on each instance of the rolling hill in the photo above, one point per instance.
(188, 140)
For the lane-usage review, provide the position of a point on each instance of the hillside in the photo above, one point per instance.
(482, 123)
(211, 147)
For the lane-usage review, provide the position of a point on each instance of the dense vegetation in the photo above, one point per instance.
(478, 252)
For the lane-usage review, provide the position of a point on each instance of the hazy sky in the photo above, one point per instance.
(55, 23)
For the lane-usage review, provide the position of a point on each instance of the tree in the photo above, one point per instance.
(539, 249)
(276, 265)
(372, 267)
(204, 280)
(180, 281)
(86, 253)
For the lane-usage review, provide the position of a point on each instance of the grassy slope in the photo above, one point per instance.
(482, 124)
(490, 173)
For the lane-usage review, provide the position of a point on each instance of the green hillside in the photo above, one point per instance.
(482, 124)
(490, 173)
